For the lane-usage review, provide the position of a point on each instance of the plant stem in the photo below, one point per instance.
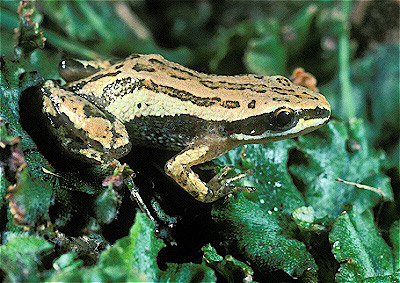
(344, 63)
(70, 46)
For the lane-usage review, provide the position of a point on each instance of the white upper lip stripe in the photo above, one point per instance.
(300, 127)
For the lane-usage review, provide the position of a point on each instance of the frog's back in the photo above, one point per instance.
(144, 85)
(161, 96)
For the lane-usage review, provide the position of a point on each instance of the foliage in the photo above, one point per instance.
(132, 258)
(357, 245)
(20, 257)
(300, 223)
(360, 162)
(257, 235)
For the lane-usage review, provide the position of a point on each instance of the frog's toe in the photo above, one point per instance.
(221, 178)
(220, 186)
(225, 190)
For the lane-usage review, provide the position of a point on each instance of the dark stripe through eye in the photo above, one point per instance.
(282, 119)
(316, 113)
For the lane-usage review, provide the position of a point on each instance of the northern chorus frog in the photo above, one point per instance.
(105, 109)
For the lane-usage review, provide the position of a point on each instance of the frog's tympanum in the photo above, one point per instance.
(106, 109)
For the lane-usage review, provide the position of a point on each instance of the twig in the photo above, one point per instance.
(132, 21)
(365, 187)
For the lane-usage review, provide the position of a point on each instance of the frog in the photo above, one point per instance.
(107, 108)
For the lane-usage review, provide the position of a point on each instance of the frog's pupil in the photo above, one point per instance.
(284, 118)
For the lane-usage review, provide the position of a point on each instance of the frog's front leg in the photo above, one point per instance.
(179, 168)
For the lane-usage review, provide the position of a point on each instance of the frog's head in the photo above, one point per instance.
(289, 110)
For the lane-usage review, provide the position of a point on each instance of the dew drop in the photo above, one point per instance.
(336, 245)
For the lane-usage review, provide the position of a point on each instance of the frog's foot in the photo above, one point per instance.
(220, 185)
(179, 168)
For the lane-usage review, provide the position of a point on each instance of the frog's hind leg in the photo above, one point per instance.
(73, 69)
(80, 128)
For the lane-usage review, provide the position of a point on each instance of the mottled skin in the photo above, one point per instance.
(147, 100)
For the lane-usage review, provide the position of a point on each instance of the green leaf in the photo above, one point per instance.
(275, 191)
(256, 235)
(85, 22)
(266, 55)
(210, 254)
(187, 272)
(106, 205)
(395, 277)
(67, 260)
(244, 223)
(189, 23)
(231, 269)
(31, 199)
(337, 151)
(395, 239)
(29, 196)
(229, 43)
(19, 258)
(305, 219)
(73, 23)
(298, 32)
(12, 83)
(95, 20)
(359, 249)
(331, 21)
(138, 251)
(132, 258)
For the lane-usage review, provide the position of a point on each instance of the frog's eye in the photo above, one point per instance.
(283, 118)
